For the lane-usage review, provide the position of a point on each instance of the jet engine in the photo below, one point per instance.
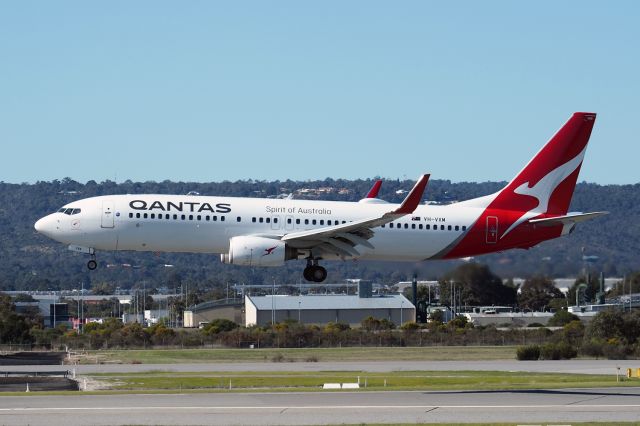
(257, 251)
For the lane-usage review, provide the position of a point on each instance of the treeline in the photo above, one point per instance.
(33, 262)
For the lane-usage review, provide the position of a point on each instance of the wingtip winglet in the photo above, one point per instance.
(373, 192)
(414, 197)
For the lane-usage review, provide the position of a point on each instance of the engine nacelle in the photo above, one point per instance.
(257, 251)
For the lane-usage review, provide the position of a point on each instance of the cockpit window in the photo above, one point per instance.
(75, 211)
(68, 211)
(61, 210)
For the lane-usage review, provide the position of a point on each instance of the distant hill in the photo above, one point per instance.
(31, 261)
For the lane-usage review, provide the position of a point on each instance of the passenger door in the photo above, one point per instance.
(108, 214)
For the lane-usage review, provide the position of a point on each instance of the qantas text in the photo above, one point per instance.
(180, 206)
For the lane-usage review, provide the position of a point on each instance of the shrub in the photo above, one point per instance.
(528, 353)
(561, 318)
(549, 351)
(561, 350)
(566, 350)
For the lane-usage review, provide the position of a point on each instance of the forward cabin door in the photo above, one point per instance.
(492, 229)
(107, 214)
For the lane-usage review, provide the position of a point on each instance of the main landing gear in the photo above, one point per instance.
(314, 272)
(92, 264)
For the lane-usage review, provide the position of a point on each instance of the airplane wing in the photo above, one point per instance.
(566, 219)
(341, 239)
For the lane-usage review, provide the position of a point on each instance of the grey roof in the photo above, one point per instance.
(215, 304)
(395, 301)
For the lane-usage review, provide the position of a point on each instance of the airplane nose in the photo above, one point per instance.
(44, 226)
(39, 225)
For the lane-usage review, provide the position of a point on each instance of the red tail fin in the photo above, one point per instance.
(550, 177)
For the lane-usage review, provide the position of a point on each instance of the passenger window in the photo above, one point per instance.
(208, 218)
(289, 221)
(153, 215)
(268, 220)
(238, 219)
(130, 215)
(215, 218)
(313, 222)
(427, 226)
(406, 226)
(449, 228)
(222, 218)
(199, 217)
(306, 221)
(464, 228)
(261, 220)
(297, 221)
(183, 217)
(167, 216)
(138, 215)
(457, 228)
(321, 221)
(275, 220)
(383, 225)
(420, 226)
(253, 219)
(145, 215)
(413, 226)
(175, 217)
(442, 227)
(190, 217)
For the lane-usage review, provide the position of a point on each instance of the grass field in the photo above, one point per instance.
(401, 380)
(431, 353)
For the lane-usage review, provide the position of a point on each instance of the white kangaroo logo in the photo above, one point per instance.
(544, 188)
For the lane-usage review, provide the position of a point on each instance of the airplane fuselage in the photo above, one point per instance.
(201, 224)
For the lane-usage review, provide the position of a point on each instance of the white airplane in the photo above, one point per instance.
(267, 232)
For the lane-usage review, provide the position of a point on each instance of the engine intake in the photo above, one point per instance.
(257, 251)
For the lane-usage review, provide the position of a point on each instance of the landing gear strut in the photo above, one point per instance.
(314, 272)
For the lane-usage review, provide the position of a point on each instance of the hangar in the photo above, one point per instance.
(230, 309)
(322, 309)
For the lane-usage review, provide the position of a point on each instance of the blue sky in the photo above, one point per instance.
(210, 91)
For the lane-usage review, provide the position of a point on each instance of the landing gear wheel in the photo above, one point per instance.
(318, 273)
(315, 273)
(307, 273)
(92, 264)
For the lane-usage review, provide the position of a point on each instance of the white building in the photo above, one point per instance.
(320, 310)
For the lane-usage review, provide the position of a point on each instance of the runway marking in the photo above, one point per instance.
(311, 407)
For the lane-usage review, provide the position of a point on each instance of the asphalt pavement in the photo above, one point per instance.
(522, 407)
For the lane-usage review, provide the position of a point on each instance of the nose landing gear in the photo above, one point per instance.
(314, 272)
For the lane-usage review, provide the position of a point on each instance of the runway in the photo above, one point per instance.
(523, 407)
(565, 366)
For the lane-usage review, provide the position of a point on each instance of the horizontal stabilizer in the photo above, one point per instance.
(567, 219)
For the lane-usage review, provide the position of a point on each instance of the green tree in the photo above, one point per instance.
(479, 286)
(14, 328)
(537, 292)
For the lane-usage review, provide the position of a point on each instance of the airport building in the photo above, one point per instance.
(322, 309)
(202, 313)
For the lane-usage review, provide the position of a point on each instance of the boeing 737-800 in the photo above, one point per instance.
(267, 232)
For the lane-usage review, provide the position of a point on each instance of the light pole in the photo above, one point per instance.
(401, 308)
(299, 321)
